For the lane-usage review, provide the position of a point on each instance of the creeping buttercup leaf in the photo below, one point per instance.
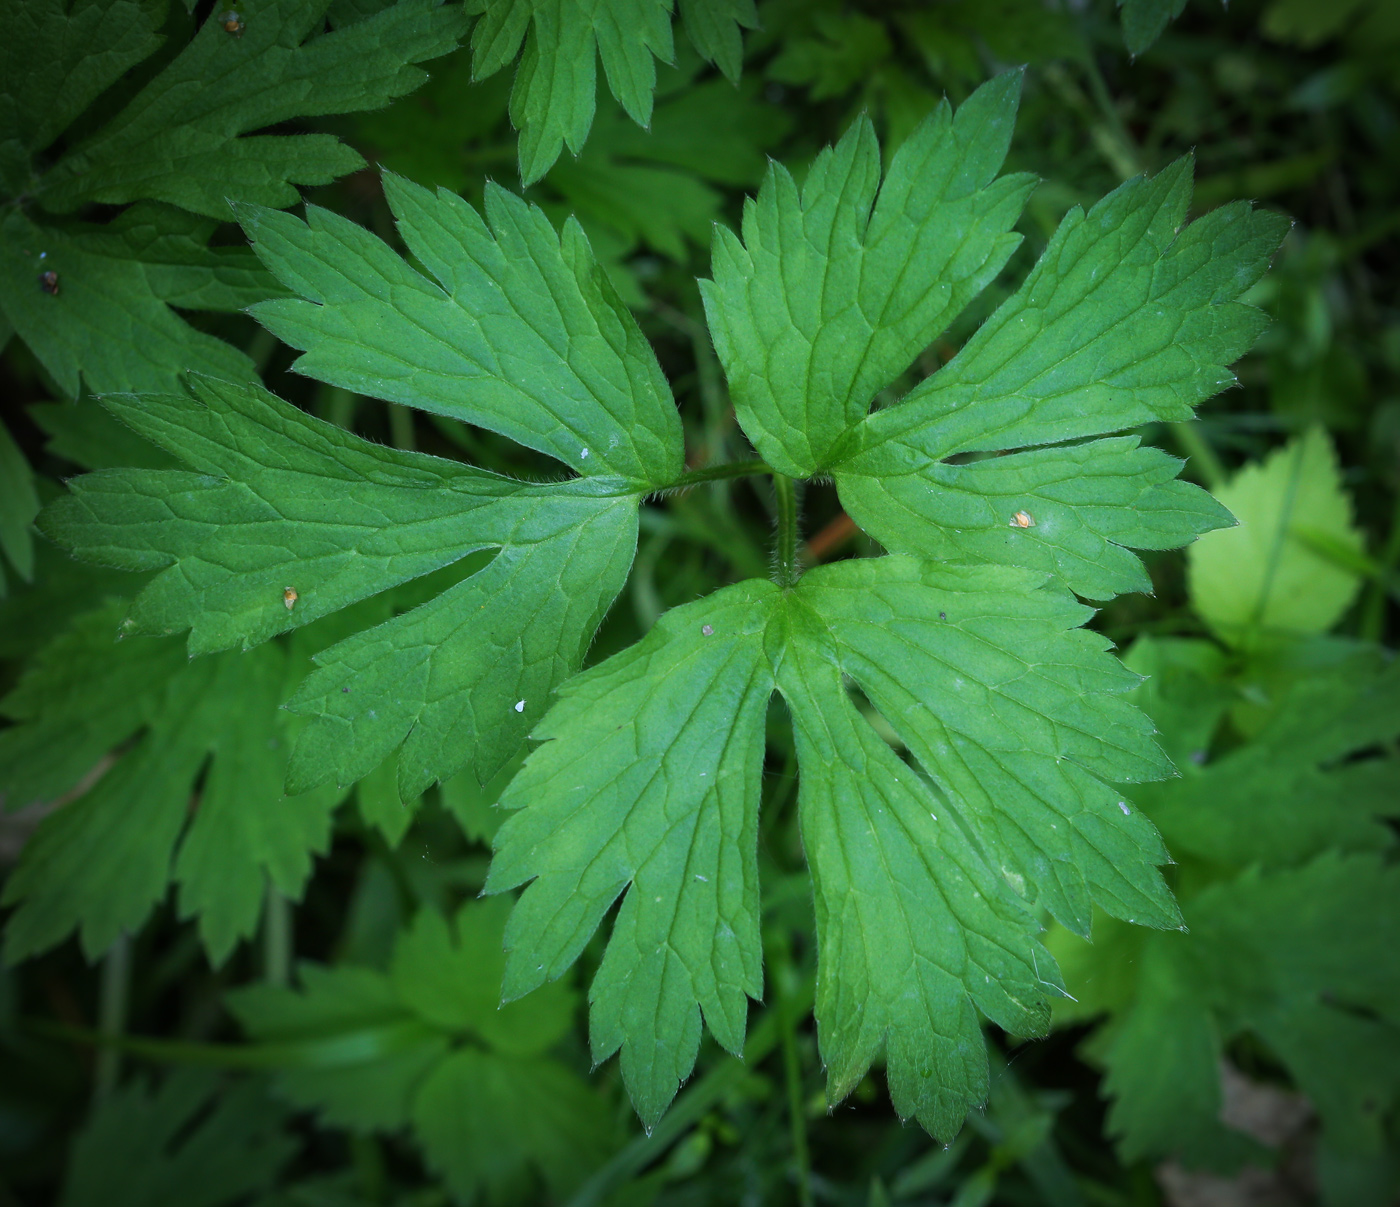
(1291, 903)
(428, 1046)
(651, 781)
(104, 860)
(97, 303)
(966, 640)
(187, 1143)
(553, 98)
(1277, 576)
(560, 367)
(19, 504)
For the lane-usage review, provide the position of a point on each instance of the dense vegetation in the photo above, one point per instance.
(716, 529)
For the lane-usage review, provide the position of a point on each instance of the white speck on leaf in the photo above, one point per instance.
(583, 456)
(707, 630)
(520, 706)
(1122, 804)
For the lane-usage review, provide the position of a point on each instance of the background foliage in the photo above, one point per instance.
(308, 1016)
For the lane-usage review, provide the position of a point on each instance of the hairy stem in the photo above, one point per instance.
(719, 473)
(785, 568)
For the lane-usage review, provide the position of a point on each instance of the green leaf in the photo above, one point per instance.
(1290, 895)
(55, 60)
(450, 975)
(443, 680)
(197, 155)
(713, 29)
(19, 504)
(1094, 341)
(460, 679)
(107, 321)
(1264, 581)
(104, 860)
(515, 312)
(82, 694)
(1299, 958)
(1318, 766)
(94, 302)
(552, 101)
(1164, 1067)
(381, 1051)
(183, 1144)
(485, 1122)
(472, 1078)
(961, 737)
(1144, 21)
(652, 782)
(377, 795)
(817, 309)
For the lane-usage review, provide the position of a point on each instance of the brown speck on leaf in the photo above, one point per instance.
(232, 23)
(48, 282)
(289, 597)
(1022, 519)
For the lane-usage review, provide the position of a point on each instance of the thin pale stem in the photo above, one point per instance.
(115, 996)
(1204, 459)
(401, 427)
(277, 937)
(797, 1117)
(785, 569)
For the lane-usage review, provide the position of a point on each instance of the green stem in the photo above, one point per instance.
(401, 427)
(1122, 152)
(115, 996)
(277, 937)
(718, 473)
(1374, 606)
(797, 1118)
(1204, 459)
(785, 569)
(690, 1107)
(326, 1052)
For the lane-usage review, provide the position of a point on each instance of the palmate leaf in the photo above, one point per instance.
(183, 1144)
(519, 332)
(103, 861)
(427, 1046)
(1291, 907)
(97, 303)
(928, 865)
(553, 99)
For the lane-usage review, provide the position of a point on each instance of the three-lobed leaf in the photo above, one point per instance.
(427, 1045)
(553, 98)
(929, 858)
(97, 302)
(1290, 901)
(102, 862)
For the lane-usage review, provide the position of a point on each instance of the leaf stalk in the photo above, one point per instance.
(785, 566)
(718, 473)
